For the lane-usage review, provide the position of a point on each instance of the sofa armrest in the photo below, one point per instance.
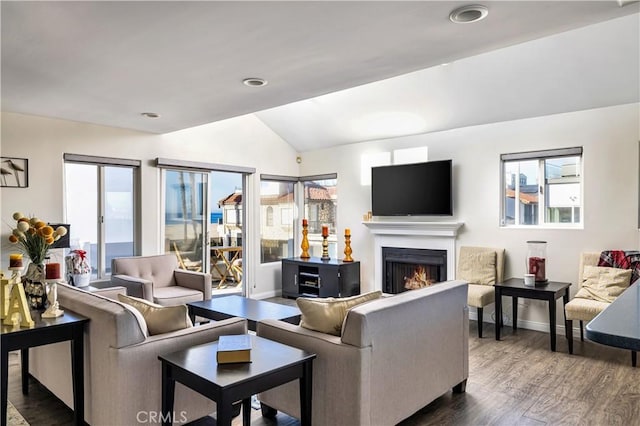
(110, 292)
(341, 372)
(136, 370)
(194, 280)
(136, 287)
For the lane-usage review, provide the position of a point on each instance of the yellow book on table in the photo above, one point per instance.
(234, 348)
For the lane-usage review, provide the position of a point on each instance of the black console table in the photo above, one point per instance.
(70, 326)
(619, 324)
(315, 277)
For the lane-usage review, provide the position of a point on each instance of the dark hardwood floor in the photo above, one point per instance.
(516, 381)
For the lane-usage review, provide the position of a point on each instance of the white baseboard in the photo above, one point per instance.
(266, 294)
(529, 325)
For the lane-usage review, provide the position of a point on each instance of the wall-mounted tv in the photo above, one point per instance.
(413, 189)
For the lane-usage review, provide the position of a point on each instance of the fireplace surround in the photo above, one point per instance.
(415, 235)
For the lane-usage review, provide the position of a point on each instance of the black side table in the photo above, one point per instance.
(272, 364)
(70, 326)
(549, 291)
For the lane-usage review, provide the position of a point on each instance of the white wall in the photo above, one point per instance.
(610, 137)
(242, 141)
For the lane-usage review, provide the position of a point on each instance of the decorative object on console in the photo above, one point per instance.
(52, 275)
(325, 243)
(34, 239)
(529, 280)
(17, 302)
(15, 260)
(78, 269)
(347, 246)
(305, 240)
(537, 259)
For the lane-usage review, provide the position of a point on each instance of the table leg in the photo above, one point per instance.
(224, 411)
(77, 373)
(514, 307)
(5, 378)
(168, 389)
(192, 315)
(306, 391)
(24, 367)
(246, 412)
(498, 312)
(552, 322)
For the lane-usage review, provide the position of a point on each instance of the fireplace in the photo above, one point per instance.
(410, 268)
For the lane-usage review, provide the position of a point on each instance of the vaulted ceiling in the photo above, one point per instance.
(338, 72)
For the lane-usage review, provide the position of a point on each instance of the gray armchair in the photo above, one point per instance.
(158, 279)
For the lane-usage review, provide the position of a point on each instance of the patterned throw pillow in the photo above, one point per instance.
(327, 315)
(603, 284)
(160, 319)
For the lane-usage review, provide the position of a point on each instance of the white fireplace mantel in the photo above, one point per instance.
(435, 229)
(419, 235)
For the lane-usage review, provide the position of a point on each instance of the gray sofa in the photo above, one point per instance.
(122, 370)
(396, 355)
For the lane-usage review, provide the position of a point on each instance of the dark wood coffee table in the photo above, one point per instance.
(272, 364)
(549, 291)
(70, 326)
(220, 308)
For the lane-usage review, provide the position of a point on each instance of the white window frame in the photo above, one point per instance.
(100, 163)
(543, 183)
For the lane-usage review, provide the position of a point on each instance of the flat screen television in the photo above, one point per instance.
(413, 189)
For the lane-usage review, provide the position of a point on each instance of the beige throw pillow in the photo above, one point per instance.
(603, 284)
(476, 265)
(327, 315)
(160, 319)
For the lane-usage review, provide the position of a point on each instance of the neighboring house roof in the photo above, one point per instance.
(232, 199)
(317, 193)
(524, 198)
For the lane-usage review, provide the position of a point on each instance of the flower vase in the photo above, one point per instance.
(35, 286)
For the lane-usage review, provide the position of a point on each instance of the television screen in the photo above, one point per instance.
(412, 189)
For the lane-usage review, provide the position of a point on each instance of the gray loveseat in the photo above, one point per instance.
(396, 355)
(122, 370)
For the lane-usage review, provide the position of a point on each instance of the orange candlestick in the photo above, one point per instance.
(325, 231)
(347, 231)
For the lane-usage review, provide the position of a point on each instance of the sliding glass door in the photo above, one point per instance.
(185, 218)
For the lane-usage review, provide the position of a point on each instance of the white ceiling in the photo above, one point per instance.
(106, 62)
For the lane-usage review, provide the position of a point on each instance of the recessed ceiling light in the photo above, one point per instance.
(468, 14)
(150, 114)
(254, 82)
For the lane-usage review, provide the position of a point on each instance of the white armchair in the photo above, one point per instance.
(158, 279)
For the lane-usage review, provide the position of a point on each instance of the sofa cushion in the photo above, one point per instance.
(160, 319)
(327, 315)
(176, 295)
(481, 295)
(477, 265)
(579, 309)
(603, 284)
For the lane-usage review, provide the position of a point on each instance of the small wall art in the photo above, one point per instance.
(14, 172)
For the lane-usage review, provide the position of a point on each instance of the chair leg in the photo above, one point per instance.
(480, 310)
(569, 332)
(634, 358)
(581, 332)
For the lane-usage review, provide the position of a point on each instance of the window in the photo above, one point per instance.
(542, 188)
(320, 208)
(276, 198)
(101, 206)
